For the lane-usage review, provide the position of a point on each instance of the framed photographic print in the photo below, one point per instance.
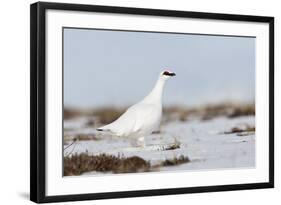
(129, 102)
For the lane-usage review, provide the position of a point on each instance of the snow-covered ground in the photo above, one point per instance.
(203, 142)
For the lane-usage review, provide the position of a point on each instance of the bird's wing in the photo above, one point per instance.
(137, 117)
(123, 125)
(147, 116)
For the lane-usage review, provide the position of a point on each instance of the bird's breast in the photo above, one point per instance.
(148, 122)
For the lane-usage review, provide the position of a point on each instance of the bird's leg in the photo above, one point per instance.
(141, 142)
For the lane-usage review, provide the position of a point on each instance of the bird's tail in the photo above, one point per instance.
(103, 130)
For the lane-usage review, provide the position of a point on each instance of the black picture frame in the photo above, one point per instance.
(38, 101)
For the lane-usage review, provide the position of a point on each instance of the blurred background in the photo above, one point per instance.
(106, 71)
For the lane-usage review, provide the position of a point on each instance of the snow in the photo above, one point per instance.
(203, 142)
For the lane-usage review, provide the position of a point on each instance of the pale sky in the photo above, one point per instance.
(119, 68)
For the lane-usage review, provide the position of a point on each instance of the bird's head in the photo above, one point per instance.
(166, 74)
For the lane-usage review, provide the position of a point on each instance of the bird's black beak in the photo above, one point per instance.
(169, 73)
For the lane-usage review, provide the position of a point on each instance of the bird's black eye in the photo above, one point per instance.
(168, 73)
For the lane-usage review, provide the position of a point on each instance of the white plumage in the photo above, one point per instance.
(142, 118)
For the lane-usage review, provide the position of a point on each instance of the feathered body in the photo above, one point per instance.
(142, 118)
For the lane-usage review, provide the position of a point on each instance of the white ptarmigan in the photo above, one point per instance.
(143, 118)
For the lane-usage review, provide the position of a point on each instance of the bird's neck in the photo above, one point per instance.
(155, 96)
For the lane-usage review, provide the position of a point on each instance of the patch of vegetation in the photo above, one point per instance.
(245, 134)
(180, 113)
(107, 115)
(241, 131)
(229, 110)
(80, 163)
(175, 161)
(103, 115)
(80, 137)
(173, 146)
(69, 113)
(208, 112)
(242, 111)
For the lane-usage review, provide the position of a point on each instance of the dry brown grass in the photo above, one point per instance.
(80, 137)
(175, 161)
(241, 131)
(243, 111)
(180, 113)
(80, 163)
(109, 114)
(208, 112)
(69, 113)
